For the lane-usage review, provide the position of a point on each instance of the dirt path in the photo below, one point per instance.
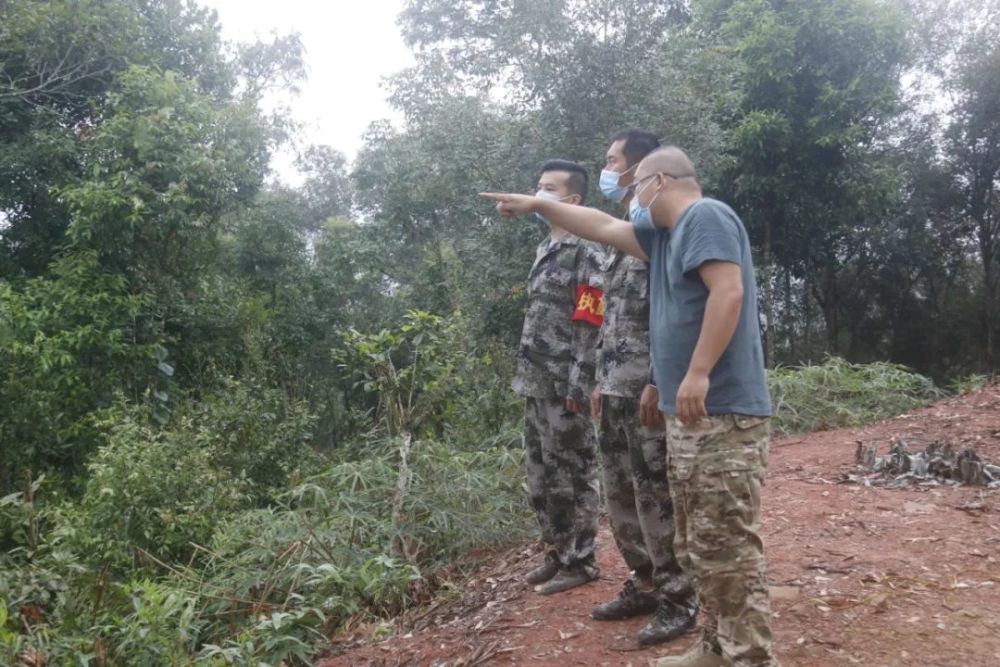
(860, 575)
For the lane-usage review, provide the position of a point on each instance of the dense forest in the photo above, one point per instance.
(238, 414)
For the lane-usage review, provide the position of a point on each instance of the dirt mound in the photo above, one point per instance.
(860, 575)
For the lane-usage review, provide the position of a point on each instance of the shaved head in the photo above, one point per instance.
(669, 160)
(665, 185)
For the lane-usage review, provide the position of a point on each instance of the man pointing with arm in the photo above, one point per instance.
(709, 368)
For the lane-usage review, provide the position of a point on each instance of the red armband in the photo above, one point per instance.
(589, 305)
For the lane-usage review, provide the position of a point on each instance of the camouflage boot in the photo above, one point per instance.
(670, 621)
(699, 655)
(570, 576)
(545, 571)
(628, 603)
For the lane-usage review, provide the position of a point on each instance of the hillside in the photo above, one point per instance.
(860, 574)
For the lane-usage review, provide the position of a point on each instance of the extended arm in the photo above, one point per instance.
(588, 223)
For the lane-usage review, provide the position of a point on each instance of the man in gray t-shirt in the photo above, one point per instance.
(707, 231)
(709, 366)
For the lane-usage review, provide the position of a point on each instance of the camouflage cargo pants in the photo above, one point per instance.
(562, 477)
(636, 491)
(716, 470)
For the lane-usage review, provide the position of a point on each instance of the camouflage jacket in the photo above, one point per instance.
(556, 355)
(623, 350)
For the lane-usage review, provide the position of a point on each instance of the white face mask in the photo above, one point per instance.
(641, 215)
(609, 184)
(551, 196)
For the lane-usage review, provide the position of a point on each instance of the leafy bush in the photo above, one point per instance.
(429, 378)
(232, 584)
(68, 346)
(327, 552)
(965, 384)
(160, 491)
(837, 394)
(155, 491)
(46, 592)
(256, 433)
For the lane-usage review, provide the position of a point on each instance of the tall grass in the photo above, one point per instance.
(838, 394)
(272, 583)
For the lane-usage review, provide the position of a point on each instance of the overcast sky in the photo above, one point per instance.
(349, 47)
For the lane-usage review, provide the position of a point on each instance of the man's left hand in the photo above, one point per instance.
(691, 395)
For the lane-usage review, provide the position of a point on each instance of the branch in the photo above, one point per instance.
(56, 80)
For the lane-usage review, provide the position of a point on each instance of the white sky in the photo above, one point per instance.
(349, 47)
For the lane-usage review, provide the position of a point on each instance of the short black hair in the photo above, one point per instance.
(638, 144)
(578, 179)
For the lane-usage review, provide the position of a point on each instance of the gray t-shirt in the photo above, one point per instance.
(707, 231)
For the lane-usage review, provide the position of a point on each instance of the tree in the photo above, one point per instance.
(159, 172)
(817, 82)
(70, 343)
(56, 60)
(973, 143)
(127, 138)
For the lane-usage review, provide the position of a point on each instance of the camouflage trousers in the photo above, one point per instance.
(562, 478)
(637, 493)
(716, 470)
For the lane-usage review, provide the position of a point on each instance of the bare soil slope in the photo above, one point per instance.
(860, 575)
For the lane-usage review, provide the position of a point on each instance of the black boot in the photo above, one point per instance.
(629, 602)
(545, 571)
(670, 621)
(570, 576)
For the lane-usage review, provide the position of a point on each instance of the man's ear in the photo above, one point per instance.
(577, 199)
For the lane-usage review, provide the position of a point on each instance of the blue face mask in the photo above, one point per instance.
(609, 184)
(638, 214)
(545, 194)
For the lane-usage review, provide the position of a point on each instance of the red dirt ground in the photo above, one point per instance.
(860, 575)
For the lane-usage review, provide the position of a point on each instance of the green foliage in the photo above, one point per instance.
(269, 584)
(161, 628)
(816, 79)
(158, 492)
(838, 394)
(965, 384)
(43, 583)
(160, 170)
(58, 60)
(322, 553)
(68, 345)
(257, 433)
(973, 141)
(425, 376)
(154, 492)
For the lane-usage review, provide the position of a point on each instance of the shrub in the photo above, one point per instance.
(155, 491)
(256, 433)
(231, 583)
(965, 384)
(68, 346)
(838, 394)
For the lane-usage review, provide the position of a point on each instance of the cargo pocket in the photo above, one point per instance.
(681, 455)
(740, 449)
(686, 444)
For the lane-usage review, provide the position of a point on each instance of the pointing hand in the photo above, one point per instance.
(509, 205)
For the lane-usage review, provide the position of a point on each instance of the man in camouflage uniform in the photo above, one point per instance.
(633, 456)
(555, 374)
(709, 367)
